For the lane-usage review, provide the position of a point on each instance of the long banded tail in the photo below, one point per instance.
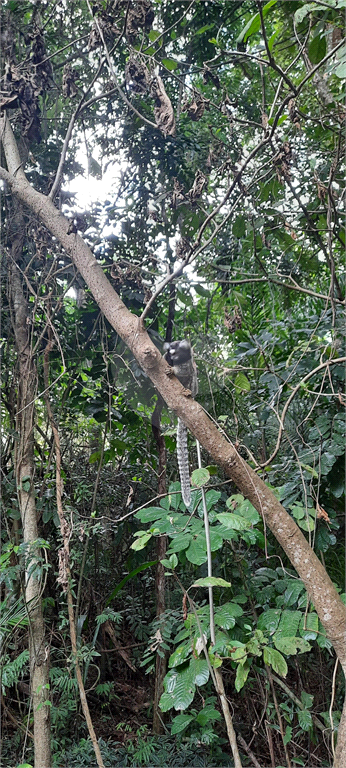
(183, 462)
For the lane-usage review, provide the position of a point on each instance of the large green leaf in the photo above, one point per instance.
(180, 722)
(305, 719)
(226, 615)
(199, 670)
(241, 676)
(230, 520)
(196, 553)
(269, 620)
(275, 660)
(179, 689)
(290, 645)
(211, 581)
(317, 49)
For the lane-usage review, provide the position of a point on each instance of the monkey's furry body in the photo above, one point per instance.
(180, 356)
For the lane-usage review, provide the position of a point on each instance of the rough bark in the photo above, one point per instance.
(24, 465)
(320, 588)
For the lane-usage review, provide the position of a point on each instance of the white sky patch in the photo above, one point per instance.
(88, 188)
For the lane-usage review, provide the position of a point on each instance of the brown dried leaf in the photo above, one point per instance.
(69, 88)
(140, 15)
(163, 110)
(137, 76)
(198, 186)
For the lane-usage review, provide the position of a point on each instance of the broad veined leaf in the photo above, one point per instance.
(207, 715)
(180, 722)
(242, 383)
(269, 620)
(289, 623)
(180, 542)
(196, 553)
(294, 589)
(171, 563)
(308, 627)
(199, 671)
(226, 615)
(230, 520)
(150, 514)
(317, 49)
(211, 581)
(180, 686)
(180, 655)
(200, 477)
(241, 676)
(141, 542)
(275, 660)
(291, 645)
(305, 719)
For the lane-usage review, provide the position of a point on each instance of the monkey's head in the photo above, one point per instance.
(177, 352)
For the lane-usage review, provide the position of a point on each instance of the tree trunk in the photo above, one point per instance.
(24, 464)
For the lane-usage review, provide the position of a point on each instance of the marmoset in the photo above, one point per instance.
(180, 356)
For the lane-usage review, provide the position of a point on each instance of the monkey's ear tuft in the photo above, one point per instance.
(184, 344)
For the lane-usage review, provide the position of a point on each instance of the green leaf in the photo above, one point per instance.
(307, 524)
(153, 35)
(180, 687)
(117, 589)
(269, 620)
(169, 64)
(230, 520)
(289, 623)
(150, 514)
(166, 702)
(254, 25)
(305, 719)
(199, 670)
(302, 12)
(201, 30)
(196, 553)
(288, 735)
(291, 645)
(171, 563)
(200, 477)
(340, 71)
(274, 659)
(317, 49)
(294, 588)
(180, 655)
(239, 228)
(207, 714)
(241, 676)
(307, 699)
(180, 542)
(141, 542)
(308, 627)
(272, 39)
(226, 615)
(180, 722)
(211, 581)
(242, 383)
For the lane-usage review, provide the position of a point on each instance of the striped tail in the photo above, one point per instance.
(183, 462)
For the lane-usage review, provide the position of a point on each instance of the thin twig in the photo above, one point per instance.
(281, 418)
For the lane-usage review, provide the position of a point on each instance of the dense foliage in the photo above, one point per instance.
(209, 140)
